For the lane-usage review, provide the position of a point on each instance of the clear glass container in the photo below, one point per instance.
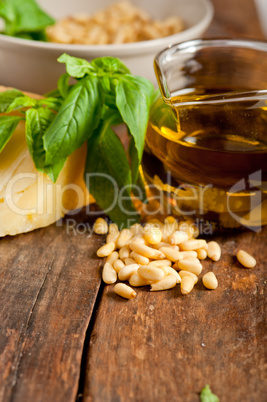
(205, 154)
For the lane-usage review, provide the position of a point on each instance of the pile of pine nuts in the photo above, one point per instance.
(158, 254)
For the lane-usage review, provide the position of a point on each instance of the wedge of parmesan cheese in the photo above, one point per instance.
(28, 198)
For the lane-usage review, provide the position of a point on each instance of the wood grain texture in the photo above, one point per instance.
(49, 283)
(165, 346)
(159, 346)
(235, 19)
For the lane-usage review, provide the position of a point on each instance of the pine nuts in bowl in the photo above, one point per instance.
(31, 65)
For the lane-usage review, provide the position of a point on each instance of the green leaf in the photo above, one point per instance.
(139, 189)
(63, 85)
(110, 65)
(53, 171)
(8, 125)
(133, 99)
(8, 13)
(23, 16)
(107, 175)
(22, 102)
(7, 97)
(75, 67)
(49, 102)
(75, 121)
(37, 122)
(207, 396)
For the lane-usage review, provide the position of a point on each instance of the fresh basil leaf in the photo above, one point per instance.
(63, 85)
(207, 396)
(139, 189)
(8, 13)
(76, 67)
(22, 102)
(135, 160)
(39, 36)
(75, 121)
(51, 103)
(24, 16)
(107, 175)
(53, 94)
(54, 170)
(8, 125)
(7, 97)
(37, 121)
(133, 99)
(110, 65)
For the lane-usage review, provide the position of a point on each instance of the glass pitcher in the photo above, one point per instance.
(205, 154)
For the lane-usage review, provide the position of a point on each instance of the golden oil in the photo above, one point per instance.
(206, 152)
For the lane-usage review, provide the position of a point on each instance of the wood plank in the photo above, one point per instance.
(235, 19)
(49, 283)
(165, 346)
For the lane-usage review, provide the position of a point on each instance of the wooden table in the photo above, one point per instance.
(66, 336)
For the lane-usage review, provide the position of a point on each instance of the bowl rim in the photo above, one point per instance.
(135, 47)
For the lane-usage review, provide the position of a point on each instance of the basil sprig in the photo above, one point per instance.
(207, 396)
(24, 19)
(104, 95)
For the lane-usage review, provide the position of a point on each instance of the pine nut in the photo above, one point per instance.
(124, 238)
(137, 280)
(160, 263)
(109, 275)
(112, 237)
(193, 266)
(118, 265)
(165, 244)
(155, 221)
(166, 283)
(106, 250)
(169, 253)
(129, 261)
(152, 234)
(190, 245)
(172, 271)
(127, 271)
(167, 231)
(187, 284)
(138, 239)
(214, 251)
(187, 227)
(178, 237)
(169, 220)
(140, 259)
(201, 254)
(210, 281)
(187, 273)
(124, 252)
(124, 291)
(136, 229)
(188, 254)
(146, 251)
(113, 257)
(100, 226)
(113, 228)
(246, 259)
(151, 273)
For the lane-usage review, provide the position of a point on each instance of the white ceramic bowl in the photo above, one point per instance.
(32, 66)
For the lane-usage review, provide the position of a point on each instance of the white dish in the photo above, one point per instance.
(32, 66)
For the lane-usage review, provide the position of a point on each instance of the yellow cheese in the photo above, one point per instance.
(28, 198)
